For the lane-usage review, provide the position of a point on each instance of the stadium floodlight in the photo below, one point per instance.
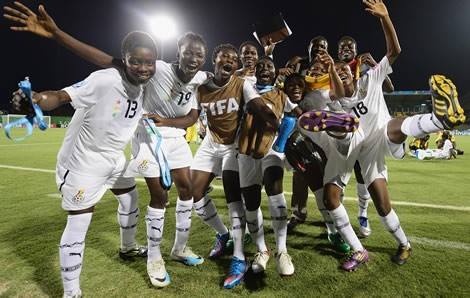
(163, 27)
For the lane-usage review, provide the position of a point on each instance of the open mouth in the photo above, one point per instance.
(143, 76)
(227, 67)
(191, 67)
(265, 75)
(343, 77)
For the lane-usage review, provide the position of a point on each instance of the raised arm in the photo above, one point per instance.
(336, 85)
(43, 25)
(378, 9)
(367, 58)
(47, 100)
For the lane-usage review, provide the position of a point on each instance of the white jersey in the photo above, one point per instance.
(289, 106)
(167, 96)
(319, 100)
(250, 79)
(368, 102)
(108, 109)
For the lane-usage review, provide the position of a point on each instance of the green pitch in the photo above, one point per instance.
(432, 201)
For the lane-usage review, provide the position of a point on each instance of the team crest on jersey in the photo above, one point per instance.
(144, 165)
(117, 108)
(79, 196)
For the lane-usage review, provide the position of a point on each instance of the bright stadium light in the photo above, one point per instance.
(163, 27)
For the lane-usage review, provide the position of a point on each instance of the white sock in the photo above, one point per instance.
(71, 250)
(207, 211)
(254, 220)
(363, 199)
(330, 226)
(247, 230)
(392, 224)
(421, 125)
(127, 216)
(341, 220)
(155, 219)
(183, 212)
(278, 208)
(237, 218)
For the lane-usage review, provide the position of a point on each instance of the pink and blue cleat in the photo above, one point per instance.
(237, 272)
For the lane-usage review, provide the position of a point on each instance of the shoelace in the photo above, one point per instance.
(237, 267)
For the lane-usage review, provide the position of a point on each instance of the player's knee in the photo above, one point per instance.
(252, 197)
(185, 191)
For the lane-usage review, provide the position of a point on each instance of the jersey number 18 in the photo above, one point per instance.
(360, 109)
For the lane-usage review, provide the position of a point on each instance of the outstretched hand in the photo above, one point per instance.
(26, 20)
(269, 47)
(376, 8)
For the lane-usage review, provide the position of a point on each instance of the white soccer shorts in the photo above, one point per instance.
(252, 170)
(214, 158)
(144, 163)
(82, 190)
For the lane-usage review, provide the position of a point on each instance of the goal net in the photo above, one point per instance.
(6, 119)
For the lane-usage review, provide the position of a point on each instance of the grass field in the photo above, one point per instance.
(432, 201)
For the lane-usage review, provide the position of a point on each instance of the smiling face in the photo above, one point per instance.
(346, 76)
(225, 64)
(294, 88)
(347, 50)
(191, 58)
(140, 64)
(265, 72)
(317, 45)
(249, 56)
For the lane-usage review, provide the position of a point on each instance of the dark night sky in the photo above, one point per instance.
(434, 35)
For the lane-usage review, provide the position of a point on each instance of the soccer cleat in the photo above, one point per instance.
(328, 121)
(402, 255)
(338, 243)
(260, 261)
(219, 245)
(238, 269)
(138, 251)
(187, 257)
(293, 222)
(355, 260)
(157, 273)
(445, 104)
(364, 227)
(76, 295)
(284, 264)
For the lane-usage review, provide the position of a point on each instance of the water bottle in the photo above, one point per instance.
(285, 129)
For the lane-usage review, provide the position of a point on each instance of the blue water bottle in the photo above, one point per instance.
(285, 129)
